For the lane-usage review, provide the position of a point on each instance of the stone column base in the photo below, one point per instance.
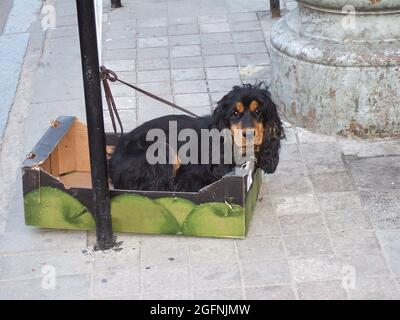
(336, 73)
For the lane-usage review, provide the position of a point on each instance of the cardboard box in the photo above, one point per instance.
(57, 193)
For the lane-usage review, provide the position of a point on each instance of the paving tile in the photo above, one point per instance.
(153, 75)
(382, 288)
(188, 74)
(264, 273)
(250, 47)
(332, 182)
(157, 108)
(152, 64)
(334, 201)
(199, 110)
(159, 88)
(235, 6)
(222, 73)
(192, 86)
(181, 19)
(390, 243)
(323, 290)
(248, 36)
(246, 59)
(117, 15)
(70, 20)
(186, 51)
(122, 25)
(152, 22)
(161, 52)
(165, 279)
(217, 48)
(27, 266)
(322, 158)
(308, 137)
(163, 253)
(355, 242)
(116, 282)
(186, 39)
(220, 61)
(298, 204)
(282, 185)
(310, 244)
(210, 19)
(118, 54)
(212, 251)
(223, 37)
(316, 268)
(72, 287)
(260, 248)
(121, 65)
(258, 73)
(197, 99)
(180, 29)
(128, 118)
(217, 96)
(187, 62)
(62, 31)
(213, 276)
(153, 42)
(36, 240)
(168, 295)
(118, 43)
(366, 264)
(381, 173)
(290, 135)
(246, 26)
(264, 222)
(270, 293)
(302, 224)
(224, 85)
(347, 220)
(242, 16)
(218, 294)
(384, 208)
(117, 259)
(290, 164)
(150, 9)
(215, 27)
(369, 148)
(119, 92)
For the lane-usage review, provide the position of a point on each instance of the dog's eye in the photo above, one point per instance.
(235, 113)
(257, 111)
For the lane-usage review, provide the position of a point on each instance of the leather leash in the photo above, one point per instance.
(109, 75)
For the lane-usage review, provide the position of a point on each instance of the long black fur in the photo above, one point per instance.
(129, 169)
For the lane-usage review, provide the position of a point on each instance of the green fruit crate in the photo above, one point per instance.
(57, 193)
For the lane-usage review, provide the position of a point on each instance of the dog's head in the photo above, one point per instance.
(251, 116)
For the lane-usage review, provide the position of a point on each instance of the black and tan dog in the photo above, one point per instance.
(246, 110)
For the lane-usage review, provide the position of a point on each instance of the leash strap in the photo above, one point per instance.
(109, 75)
(112, 109)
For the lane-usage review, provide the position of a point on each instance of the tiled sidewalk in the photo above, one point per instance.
(327, 222)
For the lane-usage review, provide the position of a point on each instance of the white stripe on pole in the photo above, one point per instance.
(99, 26)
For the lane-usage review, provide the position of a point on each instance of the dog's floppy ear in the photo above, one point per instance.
(268, 156)
(218, 119)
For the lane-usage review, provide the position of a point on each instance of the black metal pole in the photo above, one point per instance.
(275, 8)
(116, 4)
(95, 122)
